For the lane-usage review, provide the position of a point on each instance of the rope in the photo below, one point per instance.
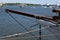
(36, 36)
(19, 23)
(33, 25)
(23, 33)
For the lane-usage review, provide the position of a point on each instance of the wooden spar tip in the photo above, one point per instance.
(58, 12)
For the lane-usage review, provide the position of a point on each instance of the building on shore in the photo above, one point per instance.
(1, 4)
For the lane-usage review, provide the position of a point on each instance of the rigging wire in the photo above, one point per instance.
(24, 32)
(33, 25)
(32, 36)
(36, 36)
(24, 27)
(19, 22)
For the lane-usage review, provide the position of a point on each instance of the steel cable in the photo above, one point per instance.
(19, 23)
(24, 32)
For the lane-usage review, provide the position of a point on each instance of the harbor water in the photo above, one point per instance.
(27, 27)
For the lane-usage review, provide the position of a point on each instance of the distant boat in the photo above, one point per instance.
(33, 6)
(45, 6)
(21, 6)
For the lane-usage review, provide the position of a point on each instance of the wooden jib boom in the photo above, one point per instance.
(50, 19)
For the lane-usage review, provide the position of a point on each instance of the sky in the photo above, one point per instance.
(31, 1)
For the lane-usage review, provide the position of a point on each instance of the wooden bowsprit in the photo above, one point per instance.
(53, 19)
